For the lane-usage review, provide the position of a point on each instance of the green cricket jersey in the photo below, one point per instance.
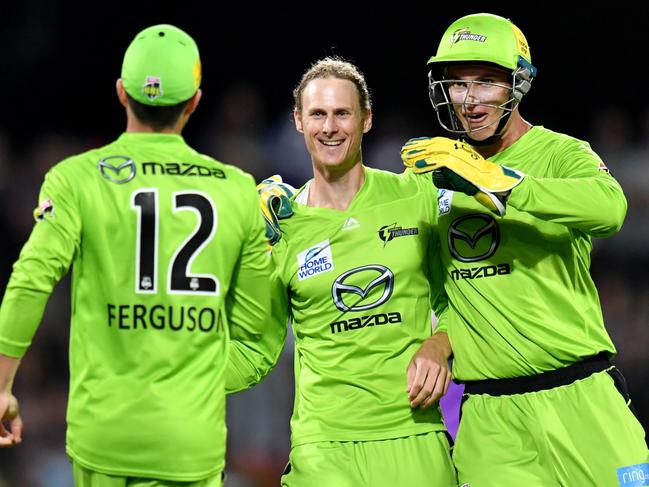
(169, 257)
(522, 300)
(355, 284)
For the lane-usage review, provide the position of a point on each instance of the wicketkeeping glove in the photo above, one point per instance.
(275, 200)
(456, 166)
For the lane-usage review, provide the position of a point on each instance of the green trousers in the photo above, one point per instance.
(419, 460)
(580, 434)
(84, 477)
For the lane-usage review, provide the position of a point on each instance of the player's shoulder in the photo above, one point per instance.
(230, 172)
(121, 158)
(398, 185)
(76, 163)
(566, 148)
(112, 151)
(558, 140)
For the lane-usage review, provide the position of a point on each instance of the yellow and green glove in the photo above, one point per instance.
(275, 200)
(456, 166)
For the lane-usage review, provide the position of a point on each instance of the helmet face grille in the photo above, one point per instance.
(445, 107)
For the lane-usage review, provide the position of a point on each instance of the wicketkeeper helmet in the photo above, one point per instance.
(480, 38)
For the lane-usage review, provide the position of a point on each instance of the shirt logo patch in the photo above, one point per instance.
(602, 167)
(351, 224)
(388, 232)
(444, 198)
(117, 169)
(633, 475)
(314, 261)
(44, 208)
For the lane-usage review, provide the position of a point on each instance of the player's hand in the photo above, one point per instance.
(495, 202)
(275, 200)
(456, 166)
(10, 413)
(429, 374)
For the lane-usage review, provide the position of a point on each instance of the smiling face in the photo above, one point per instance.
(477, 92)
(332, 122)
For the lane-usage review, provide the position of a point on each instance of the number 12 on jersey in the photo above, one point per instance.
(179, 278)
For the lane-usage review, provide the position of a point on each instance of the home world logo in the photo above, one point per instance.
(314, 260)
(634, 475)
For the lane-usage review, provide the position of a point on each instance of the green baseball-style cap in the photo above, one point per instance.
(483, 37)
(161, 66)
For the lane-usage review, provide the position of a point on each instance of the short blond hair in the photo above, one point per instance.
(334, 67)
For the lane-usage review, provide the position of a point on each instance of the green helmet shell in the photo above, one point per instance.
(483, 38)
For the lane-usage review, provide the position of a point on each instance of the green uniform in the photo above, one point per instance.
(168, 257)
(522, 300)
(356, 286)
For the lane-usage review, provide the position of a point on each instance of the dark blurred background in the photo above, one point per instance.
(58, 67)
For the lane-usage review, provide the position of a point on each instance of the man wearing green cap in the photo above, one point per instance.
(169, 265)
(543, 405)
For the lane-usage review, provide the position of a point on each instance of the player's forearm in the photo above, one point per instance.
(8, 368)
(249, 362)
(20, 315)
(595, 205)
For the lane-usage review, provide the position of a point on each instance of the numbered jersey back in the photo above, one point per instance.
(157, 233)
(161, 225)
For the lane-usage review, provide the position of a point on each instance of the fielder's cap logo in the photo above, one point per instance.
(351, 289)
(152, 88)
(117, 169)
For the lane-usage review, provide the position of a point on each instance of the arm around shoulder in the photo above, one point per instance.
(256, 336)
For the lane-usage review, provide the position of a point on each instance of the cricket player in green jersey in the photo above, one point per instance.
(168, 260)
(353, 272)
(543, 405)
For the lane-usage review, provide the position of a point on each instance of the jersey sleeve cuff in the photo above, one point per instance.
(13, 349)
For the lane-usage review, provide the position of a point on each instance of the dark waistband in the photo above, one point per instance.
(540, 382)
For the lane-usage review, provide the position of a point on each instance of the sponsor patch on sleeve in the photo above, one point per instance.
(45, 208)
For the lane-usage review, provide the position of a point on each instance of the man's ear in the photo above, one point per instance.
(121, 92)
(193, 102)
(297, 117)
(367, 122)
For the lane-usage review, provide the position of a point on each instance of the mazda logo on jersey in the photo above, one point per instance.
(363, 288)
(117, 169)
(472, 238)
